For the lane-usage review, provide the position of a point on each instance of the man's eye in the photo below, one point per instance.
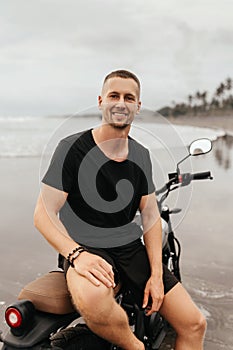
(113, 96)
(130, 98)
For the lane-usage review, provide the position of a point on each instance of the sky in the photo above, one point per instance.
(54, 54)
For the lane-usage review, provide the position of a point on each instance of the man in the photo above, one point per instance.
(96, 181)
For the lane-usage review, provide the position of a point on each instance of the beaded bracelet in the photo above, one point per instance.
(74, 257)
(77, 250)
(71, 253)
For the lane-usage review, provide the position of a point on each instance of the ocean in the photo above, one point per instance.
(29, 136)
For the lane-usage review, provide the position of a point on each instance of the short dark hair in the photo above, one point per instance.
(125, 74)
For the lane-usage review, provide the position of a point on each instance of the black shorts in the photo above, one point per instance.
(131, 266)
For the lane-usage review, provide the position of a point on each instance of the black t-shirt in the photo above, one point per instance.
(103, 194)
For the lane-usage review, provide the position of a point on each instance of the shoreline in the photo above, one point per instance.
(224, 123)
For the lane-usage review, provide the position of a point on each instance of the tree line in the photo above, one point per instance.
(199, 102)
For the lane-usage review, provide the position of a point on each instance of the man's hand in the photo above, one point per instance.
(154, 289)
(95, 269)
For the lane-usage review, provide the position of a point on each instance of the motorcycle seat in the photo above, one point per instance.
(49, 293)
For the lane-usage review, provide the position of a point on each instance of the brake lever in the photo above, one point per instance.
(185, 179)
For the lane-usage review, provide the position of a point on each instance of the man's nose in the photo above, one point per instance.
(121, 102)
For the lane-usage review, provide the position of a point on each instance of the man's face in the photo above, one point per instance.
(119, 102)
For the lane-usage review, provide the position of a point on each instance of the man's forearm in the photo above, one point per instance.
(153, 242)
(53, 230)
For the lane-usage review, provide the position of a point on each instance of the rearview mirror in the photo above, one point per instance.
(200, 146)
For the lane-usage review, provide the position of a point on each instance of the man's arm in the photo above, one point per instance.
(152, 235)
(46, 220)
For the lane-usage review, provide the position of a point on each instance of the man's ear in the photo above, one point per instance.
(100, 102)
(139, 107)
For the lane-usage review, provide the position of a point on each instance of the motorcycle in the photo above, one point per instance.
(44, 317)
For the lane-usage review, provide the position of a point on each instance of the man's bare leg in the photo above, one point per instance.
(184, 316)
(101, 312)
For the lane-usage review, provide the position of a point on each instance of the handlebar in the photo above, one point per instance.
(202, 176)
(183, 180)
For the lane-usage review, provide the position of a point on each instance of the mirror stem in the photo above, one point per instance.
(177, 166)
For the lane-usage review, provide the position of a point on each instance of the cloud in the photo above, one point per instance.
(54, 54)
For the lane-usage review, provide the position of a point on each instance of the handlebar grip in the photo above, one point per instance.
(202, 176)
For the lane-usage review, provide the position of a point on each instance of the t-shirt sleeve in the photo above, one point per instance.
(147, 185)
(61, 168)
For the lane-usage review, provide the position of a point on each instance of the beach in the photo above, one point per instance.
(204, 269)
(204, 228)
(224, 122)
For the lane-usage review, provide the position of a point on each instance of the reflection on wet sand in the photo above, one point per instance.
(207, 258)
(223, 146)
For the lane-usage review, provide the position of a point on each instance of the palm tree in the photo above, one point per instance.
(228, 84)
(228, 87)
(198, 104)
(214, 104)
(203, 98)
(198, 95)
(190, 99)
(220, 93)
(198, 101)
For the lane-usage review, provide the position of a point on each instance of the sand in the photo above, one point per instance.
(204, 233)
(216, 122)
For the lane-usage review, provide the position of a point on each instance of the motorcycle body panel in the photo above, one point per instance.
(43, 325)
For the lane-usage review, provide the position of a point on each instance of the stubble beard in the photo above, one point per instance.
(119, 126)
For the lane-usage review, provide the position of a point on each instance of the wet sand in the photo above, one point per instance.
(207, 262)
(23, 252)
(205, 233)
(224, 122)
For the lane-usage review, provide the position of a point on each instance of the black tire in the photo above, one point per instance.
(78, 338)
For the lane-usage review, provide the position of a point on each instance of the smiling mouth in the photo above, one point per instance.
(119, 115)
(120, 120)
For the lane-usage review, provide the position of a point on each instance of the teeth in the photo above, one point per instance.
(120, 114)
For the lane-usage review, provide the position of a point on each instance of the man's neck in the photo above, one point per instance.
(112, 141)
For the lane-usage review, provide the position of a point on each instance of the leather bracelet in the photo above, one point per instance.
(73, 251)
(77, 250)
(71, 262)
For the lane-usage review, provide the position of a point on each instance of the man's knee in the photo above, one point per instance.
(195, 328)
(179, 309)
(199, 324)
(92, 296)
(87, 297)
